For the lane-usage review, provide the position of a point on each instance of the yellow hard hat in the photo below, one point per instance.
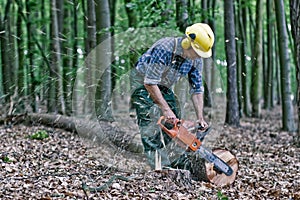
(202, 39)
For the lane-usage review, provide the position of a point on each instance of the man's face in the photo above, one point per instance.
(191, 54)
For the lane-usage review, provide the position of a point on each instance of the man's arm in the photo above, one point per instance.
(198, 105)
(158, 98)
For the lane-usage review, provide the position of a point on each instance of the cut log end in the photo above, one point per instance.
(221, 179)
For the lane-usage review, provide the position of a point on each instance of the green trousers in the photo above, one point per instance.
(148, 113)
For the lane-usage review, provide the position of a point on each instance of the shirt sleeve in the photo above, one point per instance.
(156, 66)
(195, 79)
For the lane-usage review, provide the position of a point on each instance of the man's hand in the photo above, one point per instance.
(169, 115)
(202, 124)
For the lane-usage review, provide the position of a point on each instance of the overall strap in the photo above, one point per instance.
(174, 49)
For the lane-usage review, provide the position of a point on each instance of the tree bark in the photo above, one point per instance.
(270, 72)
(104, 85)
(242, 12)
(30, 56)
(6, 69)
(257, 63)
(182, 14)
(285, 69)
(56, 98)
(295, 15)
(232, 112)
(21, 68)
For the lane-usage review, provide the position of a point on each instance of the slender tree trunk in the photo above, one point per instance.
(207, 62)
(67, 54)
(287, 106)
(270, 48)
(6, 70)
(103, 93)
(232, 112)
(90, 81)
(181, 20)
(21, 63)
(30, 57)
(211, 22)
(182, 14)
(295, 16)
(239, 55)
(132, 15)
(244, 70)
(56, 101)
(257, 63)
(74, 66)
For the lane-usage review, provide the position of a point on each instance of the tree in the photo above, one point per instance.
(295, 15)
(56, 98)
(103, 93)
(287, 107)
(7, 79)
(257, 63)
(232, 110)
(181, 21)
(242, 48)
(21, 59)
(270, 55)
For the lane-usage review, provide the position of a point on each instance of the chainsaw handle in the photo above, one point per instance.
(171, 132)
(181, 133)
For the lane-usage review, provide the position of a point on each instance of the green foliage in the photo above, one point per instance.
(6, 159)
(39, 135)
(221, 196)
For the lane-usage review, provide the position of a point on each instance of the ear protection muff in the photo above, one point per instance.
(186, 42)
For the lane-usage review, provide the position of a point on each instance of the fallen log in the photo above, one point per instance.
(97, 131)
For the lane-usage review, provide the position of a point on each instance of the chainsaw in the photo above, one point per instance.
(193, 142)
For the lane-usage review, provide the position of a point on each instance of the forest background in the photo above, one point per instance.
(49, 62)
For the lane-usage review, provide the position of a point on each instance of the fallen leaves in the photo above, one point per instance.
(56, 166)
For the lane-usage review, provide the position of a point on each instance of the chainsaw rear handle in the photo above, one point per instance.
(181, 133)
(171, 132)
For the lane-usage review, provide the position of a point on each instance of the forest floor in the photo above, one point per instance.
(59, 166)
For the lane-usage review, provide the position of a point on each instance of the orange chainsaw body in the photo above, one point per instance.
(181, 133)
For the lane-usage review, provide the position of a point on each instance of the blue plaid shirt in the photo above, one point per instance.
(163, 65)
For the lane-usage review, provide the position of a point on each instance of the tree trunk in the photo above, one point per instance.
(207, 62)
(21, 63)
(295, 15)
(74, 58)
(181, 21)
(103, 90)
(182, 14)
(6, 69)
(257, 63)
(232, 112)
(132, 15)
(287, 106)
(270, 80)
(30, 57)
(56, 98)
(242, 11)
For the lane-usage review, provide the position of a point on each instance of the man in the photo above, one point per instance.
(156, 72)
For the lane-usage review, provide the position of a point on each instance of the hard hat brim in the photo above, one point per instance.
(202, 54)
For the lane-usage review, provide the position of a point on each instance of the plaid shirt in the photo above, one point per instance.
(163, 65)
